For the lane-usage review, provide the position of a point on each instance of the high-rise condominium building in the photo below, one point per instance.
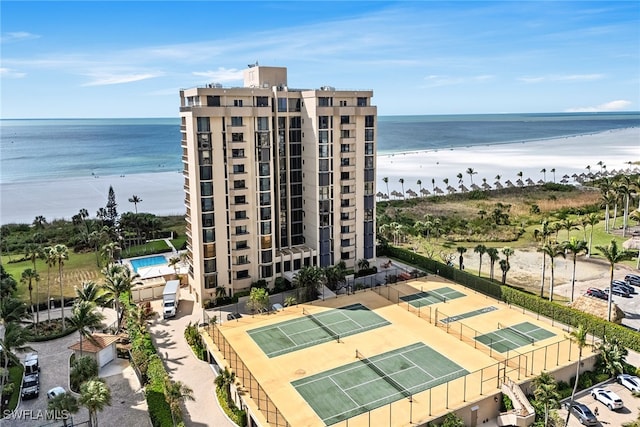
(275, 179)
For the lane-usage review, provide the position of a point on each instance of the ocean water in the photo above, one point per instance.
(32, 150)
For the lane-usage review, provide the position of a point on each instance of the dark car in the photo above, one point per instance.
(30, 386)
(233, 316)
(617, 290)
(584, 414)
(597, 293)
(625, 286)
(632, 279)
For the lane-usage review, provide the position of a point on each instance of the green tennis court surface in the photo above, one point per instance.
(292, 335)
(473, 313)
(511, 337)
(434, 296)
(359, 387)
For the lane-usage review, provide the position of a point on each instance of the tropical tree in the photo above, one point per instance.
(173, 262)
(386, 181)
(224, 380)
(614, 256)
(13, 341)
(111, 208)
(258, 300)
(335, 275)
(507, 252)
(61, 254)
(176, 392)
(290, 301)
(51, 262)
(543, 171)
(85, 319)
(83, 368)
(401, 181)
(471, 172)
(94, 395)
(504, 267)
(552, 250)
(135, 200)
(546, 393)
(8, 284)
(576, 247)
(92, 292)
(39, 222)
(459, 176)
(480, 250)
(419, 182)
(118, 280)
(461, 251)
(593, 219)
(612, 355)
(309, 278)
(553, 171)
(568, 224)
(578, 335)
(111, 252)
(493, 257)
(63, 403)
(29, 276)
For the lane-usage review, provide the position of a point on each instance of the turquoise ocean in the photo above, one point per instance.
(38, 149)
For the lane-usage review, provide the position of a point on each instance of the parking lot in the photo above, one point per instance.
(606, 417)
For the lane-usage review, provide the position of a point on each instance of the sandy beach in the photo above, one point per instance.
(162, 193)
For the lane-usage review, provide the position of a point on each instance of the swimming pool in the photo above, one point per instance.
(147, 262)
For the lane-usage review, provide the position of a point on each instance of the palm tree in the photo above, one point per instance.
(85, 318)
(592, 220)
(224, 380)
(504, 267)
(612, 355)
(64, 403)
(110, 251)
(520, 174)
(309, 278)
(552, 250)
(546, 393)
(33, 252)
(569, 224)
(13, 341)
(39, 222)
(498, 178)
(461, 250)
(135, 200)
(29, 276)
(493, 257)
(614, 256)
(118, 280)
(175, 392)
(507, 252)
(94, 395)
(419, 182)
(83, 369)
(433, 184)
(459, 176)
(480, 250)
(553, 171)
(61, 254)
(92, 292)
(580, 337)
(173, 262)
(576, 247)
(401, 181)
(386, 181)
(335, 275)
(543, 171)
(542, 235)
(471, 172)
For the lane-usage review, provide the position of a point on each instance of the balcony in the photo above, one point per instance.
(347, 126)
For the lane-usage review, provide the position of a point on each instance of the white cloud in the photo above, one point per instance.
(115, 79)
(443, 80)
(11, 74)
(561, 78)
(221, 74)
(17, 36)
(617, 105)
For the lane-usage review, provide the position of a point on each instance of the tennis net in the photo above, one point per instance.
(382, 374)
(322, 325)
(517, 332)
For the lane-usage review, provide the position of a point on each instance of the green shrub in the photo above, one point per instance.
(507, 404)
(237, 416)
(159, 410)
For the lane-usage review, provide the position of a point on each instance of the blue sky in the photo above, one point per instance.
(130, 59)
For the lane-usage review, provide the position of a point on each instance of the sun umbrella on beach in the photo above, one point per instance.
(519, 183)
(411, 193)
(451, 190)
(540, 182)
(475, 187)
(509, 184)
(463, 188)
(380, 195)
(565, 176)
(564, 180)
(425, 192)
(486, 186)
(498, 185)
(438, 190)
(530, 181)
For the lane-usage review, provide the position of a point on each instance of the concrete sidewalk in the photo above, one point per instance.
(182, 365)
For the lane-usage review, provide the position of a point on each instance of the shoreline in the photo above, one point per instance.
(162, 193)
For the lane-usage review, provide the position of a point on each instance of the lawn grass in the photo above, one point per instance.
(15, 378)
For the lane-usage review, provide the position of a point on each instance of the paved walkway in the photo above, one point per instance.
(182, 365)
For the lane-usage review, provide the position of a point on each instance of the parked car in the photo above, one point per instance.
(597, 293)
(31, 365)
(629, 381)
(617, 290)
(30, 386)
(632, 279)
(625, 286)
(584, 414)
(56, 391)
(607, 398)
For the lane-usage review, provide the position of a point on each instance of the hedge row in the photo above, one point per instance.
(152, 371)
(560, 313)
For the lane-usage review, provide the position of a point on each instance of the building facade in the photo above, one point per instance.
(275, 179)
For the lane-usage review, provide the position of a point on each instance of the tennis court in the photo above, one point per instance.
(433, 296)
(375, 381)
(508, 338)
(315, 328)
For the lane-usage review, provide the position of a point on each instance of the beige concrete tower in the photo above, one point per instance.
(275, 179)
